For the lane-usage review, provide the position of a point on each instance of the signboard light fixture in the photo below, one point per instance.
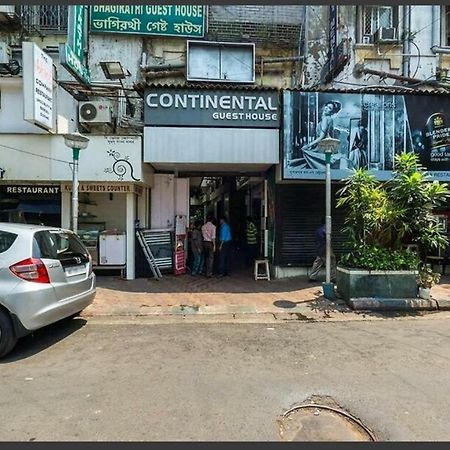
(113, 70)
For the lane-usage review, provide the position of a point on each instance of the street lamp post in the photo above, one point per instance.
(329, 146)
(76, 142)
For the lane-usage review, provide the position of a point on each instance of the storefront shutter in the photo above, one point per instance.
(299, 210)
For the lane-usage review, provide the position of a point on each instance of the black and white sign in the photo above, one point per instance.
(37, 86)
(227, 108)
(30, 189)
(371, 128)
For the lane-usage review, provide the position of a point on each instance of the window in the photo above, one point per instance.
(65, 247)
(6, 240)
(446, 22)
(372, 18)
(214, 61)
(41, 18)
(375, 17)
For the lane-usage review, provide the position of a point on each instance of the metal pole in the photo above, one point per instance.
(76, 154)
(328, 217)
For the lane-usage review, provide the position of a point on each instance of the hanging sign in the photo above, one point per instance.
(37, 86)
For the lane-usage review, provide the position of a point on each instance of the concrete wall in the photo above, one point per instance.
(48, 159)
(11, 103)
(425, 26)
(211, 145)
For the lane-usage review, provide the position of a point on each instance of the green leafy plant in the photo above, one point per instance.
(378, 258)
(426, 278)
(384, 217)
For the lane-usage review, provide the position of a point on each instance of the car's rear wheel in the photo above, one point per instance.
(8, 338)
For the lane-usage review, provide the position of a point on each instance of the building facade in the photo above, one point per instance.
(209, 110)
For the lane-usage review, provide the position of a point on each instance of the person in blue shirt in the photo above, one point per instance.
(225, 240)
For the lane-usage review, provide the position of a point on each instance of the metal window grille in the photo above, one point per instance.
(447, 24)
(44, 18)
(376, 17)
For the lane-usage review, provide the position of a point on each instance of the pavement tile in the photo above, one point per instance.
(238, 296)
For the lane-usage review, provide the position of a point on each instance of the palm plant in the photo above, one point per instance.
(384, 217)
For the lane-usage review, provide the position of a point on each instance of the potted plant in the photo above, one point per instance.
(384, 221)
(426, 279)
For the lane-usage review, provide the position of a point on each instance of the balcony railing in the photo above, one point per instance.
(44, 19)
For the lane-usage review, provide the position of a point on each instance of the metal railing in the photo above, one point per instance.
(44, 19)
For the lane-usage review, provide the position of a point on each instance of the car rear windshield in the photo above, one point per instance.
(66, 247)
(6, 240)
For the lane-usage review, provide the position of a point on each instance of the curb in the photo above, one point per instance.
(393, 304)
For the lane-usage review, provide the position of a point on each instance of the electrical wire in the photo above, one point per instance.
(35, 154)
(393, 45)
(418, 58)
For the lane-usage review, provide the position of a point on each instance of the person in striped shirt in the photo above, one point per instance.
(252, 241)
(209, 244)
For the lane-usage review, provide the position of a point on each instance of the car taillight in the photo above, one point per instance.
(31, 269)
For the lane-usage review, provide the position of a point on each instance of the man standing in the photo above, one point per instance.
(224, 248)
(252, 241)
(197, 248)
(321, 250)
(209, 244)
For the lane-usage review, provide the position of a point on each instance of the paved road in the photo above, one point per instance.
(101, 380)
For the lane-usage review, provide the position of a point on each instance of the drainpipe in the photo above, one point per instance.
(406, 40)
(435, 26)
(161, 67)
(437, 49)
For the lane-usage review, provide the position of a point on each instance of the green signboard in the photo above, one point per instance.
(73, 54)
(165, 20)
(77, 30)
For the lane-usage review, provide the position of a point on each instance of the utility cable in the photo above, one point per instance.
(35, 154)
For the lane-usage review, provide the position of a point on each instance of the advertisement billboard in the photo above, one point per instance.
(371, 128)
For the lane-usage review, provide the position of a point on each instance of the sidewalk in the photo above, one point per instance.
(235, 296)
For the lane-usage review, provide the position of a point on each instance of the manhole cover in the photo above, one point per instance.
(315, 422)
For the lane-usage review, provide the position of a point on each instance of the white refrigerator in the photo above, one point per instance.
(112, 248)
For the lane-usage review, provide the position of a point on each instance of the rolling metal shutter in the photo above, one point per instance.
(299, 210)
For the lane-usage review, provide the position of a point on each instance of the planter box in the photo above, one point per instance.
(358, 283)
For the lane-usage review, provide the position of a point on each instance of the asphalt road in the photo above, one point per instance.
(80, 380)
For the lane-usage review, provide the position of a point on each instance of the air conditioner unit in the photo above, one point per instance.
(5, 53)
(385, 35)
(8, 9)
(95, 112)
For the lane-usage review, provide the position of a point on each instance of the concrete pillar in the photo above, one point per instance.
(65, 210)
(130, 218)
(143, 208)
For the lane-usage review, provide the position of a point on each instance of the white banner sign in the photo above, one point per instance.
(37, 86)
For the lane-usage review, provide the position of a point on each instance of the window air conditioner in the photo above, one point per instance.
(5, 53)
(94, 112)
(385, 35)
(8, 9)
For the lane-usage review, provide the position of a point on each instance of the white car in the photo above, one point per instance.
(45, 276)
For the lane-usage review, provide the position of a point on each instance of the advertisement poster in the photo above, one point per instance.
(371, 129)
